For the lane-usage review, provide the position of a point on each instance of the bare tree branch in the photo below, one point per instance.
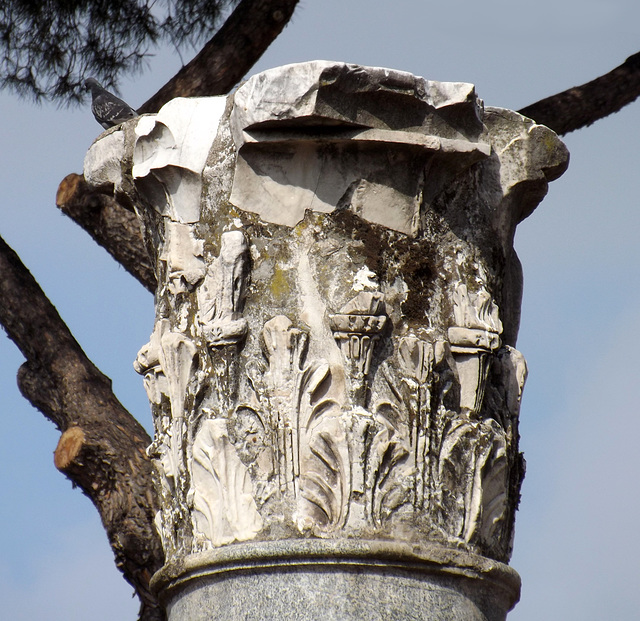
(582, 106)
(102, 448)
(112, 226)
(230, 54)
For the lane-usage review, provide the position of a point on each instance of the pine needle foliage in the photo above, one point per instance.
(49, 47)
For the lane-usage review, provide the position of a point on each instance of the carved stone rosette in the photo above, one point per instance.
(332, 372)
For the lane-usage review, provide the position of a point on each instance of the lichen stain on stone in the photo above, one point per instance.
(300, 228)
(418, 276)
(279, 286)
(371, 236)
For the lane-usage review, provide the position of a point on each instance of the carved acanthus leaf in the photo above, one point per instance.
(325, 468)
(388, 474)
(224, 509)
(323, 454)
(476, 311)
(472, 478)
(177, 354)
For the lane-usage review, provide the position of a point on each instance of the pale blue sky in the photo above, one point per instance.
(576, 542)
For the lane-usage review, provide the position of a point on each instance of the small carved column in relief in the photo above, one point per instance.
(474, 336)
(284, 347)
(166, 363)
(220, 299)
(356, 328)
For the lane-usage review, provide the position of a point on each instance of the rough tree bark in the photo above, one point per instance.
(582, 106)
(112, 226)
(102, 448)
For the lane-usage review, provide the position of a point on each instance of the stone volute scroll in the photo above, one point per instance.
(332, 372)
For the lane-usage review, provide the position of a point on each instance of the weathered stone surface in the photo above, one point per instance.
(103, 162)
(334, 355)
(170, 152)
(317, 135)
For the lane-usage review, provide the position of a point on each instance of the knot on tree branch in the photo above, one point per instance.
(69, 447)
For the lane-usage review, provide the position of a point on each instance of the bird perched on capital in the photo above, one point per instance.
(108, 109)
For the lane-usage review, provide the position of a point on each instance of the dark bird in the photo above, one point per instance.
(108, 109)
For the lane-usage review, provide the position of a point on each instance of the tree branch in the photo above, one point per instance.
(582, 106)
(102, 448)
(230, 54)
(112, 226)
